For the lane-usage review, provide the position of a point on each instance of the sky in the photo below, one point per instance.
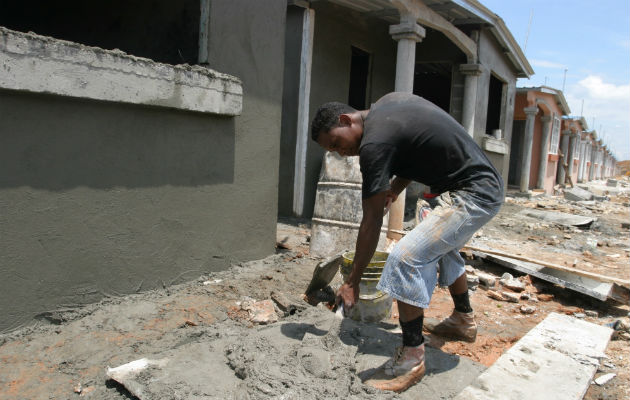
(591, 41)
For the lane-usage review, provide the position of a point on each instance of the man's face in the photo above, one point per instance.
(344, 139)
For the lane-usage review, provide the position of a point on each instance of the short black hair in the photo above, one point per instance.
(327, 117)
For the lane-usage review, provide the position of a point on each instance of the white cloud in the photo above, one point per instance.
(546, 64)
(609, 104)
(597, 88)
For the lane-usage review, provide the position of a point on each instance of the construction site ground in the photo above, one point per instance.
(66, 354)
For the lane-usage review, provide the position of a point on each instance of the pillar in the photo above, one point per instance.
(471, 74)
(407, 34)
(574, 141)
(591, 171)
(582, 161)
(564, 149)
(544, 150)
(528, 138)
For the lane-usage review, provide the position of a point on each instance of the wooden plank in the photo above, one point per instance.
(592, 275)
(554, 361)
(596, 289)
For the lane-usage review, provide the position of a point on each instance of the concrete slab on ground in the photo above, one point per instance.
(556, 360)
(313, 355)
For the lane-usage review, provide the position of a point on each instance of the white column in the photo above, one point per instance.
(563, 148)
(471, 73)
(306, 56)
(574, 142)
(407, 34)
(528, 138)
(591, 171)
(544, 151)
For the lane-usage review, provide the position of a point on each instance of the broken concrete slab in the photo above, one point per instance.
(321, 358)
(560, 218)
(577, 194)
(581, 284)
(556, 361)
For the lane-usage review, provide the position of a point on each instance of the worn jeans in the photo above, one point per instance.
(411, 270)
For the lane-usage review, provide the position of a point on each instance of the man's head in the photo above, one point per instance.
(338, 127)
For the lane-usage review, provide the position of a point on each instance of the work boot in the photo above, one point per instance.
(458, 325)
(402, 371)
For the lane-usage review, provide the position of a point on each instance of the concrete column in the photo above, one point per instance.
(582, 162)
(407, 34)
(544, 150)
(304, 95)
(574, 142)
(591, 171)
(564, 149)
(528, 138)
(471, 73)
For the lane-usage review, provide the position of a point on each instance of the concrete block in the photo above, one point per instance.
(528, 309)
(514, 284)
(554, 361)
(261, 312)
(611, 183)
(577, 194)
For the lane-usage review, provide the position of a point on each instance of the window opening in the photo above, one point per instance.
(359, 74)
(495, 96)
(433, 82)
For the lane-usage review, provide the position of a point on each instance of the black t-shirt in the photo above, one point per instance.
(410, 137)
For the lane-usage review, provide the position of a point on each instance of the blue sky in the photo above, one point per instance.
(591, 39)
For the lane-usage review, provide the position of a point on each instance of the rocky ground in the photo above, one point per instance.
(67, 355)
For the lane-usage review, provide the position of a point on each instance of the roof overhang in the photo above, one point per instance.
(445, 16)
(559, 96)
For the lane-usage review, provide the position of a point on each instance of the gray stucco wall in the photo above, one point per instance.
(102, 199)
(336, 30)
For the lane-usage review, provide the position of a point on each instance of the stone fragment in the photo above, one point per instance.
(506, 277)
(579, 315)
(591, 313)
(495, 295)
(602, 380)
(470, 269)
(545, 297)
(261, 312)
(611, 182)
(289, 305)
(486, 280)
(525, 296)
(528, 309)
(514, 284)
(511, 297)
(473, 281)
(577, 194)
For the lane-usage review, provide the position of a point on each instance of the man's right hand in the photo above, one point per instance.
(348, 294)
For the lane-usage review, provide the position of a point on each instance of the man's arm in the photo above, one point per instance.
(398, 185)
(367, 240)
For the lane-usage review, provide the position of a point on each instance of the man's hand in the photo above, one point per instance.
(348, 295)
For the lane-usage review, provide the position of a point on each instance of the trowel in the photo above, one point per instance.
(323, 274)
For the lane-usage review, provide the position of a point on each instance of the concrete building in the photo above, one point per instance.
(570, 141)
(126, 172)
(536, 138)
(457, 54)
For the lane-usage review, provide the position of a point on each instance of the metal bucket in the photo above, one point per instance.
(373, 305)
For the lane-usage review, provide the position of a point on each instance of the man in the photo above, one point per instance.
(408, 137)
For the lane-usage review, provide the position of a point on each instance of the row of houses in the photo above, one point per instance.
(550, 147)
(145, 142)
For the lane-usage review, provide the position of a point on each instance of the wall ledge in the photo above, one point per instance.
(494, 145)
(40, 64)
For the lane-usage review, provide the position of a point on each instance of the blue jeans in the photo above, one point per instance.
(411, 270)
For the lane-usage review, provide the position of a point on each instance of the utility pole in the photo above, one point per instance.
(582, 109)
(529, 25)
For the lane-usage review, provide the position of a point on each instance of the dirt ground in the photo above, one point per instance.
(66, 355)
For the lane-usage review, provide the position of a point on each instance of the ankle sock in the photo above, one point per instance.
(462, 302)
(412, 332)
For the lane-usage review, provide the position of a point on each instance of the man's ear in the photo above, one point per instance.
(345, 119)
